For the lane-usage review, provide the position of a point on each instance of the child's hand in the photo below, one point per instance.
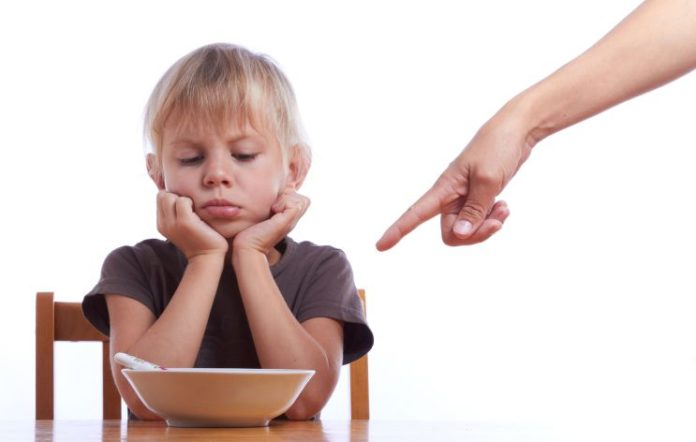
(177, 221)
(262, 237)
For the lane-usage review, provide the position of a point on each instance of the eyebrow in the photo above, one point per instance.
(232, 140)
(184, 142)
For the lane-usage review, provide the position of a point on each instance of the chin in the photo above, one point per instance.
(230, 231)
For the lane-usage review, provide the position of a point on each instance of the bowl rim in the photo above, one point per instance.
(241, 371)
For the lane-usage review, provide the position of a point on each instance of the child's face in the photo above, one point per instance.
(233, 174)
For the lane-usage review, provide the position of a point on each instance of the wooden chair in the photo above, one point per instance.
(359, 385)
(64, 321)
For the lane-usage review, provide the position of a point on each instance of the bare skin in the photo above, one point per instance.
(227, 197)
(652, 46)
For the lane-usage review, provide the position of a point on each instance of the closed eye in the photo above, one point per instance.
(190, 161)
(244, 157)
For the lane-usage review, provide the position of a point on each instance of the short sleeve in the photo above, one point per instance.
(123, 274)
(331, 292)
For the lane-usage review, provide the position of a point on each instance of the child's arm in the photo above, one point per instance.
(280, 340)
(174, 338)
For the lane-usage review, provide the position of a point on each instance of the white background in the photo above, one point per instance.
(580, 313)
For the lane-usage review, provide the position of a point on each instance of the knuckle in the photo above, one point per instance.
(448, 185)
(447, 239)
(180, 202)
(487, 178)
(164, 230)
(186, 226)
(473, 210)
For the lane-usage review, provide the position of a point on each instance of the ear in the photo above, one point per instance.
(298, 166)
(154, 170)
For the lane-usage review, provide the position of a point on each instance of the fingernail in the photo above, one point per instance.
(462, 227)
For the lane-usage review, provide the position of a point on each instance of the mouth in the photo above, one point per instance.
(220, 208)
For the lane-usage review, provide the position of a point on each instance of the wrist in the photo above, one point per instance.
(524, 117)
(248, 255)
(555, 103)
(512, 128)
(207, 260)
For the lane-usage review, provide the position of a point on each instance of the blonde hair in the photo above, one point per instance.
(220, 82)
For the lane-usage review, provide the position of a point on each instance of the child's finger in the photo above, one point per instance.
(290, 199)
(183, 207)
(161, 204)
(279, 203)
(165, 209)
(290, 210)
(298, 204)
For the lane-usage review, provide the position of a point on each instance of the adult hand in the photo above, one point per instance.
(652, 46)
(262, 237)
(465, 193)
(177, 221)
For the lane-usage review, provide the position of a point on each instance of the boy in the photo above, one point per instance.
(228, 288)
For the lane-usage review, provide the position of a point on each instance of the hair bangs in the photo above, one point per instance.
(222, 83)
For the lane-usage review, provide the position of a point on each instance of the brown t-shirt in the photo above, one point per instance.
(316, 281)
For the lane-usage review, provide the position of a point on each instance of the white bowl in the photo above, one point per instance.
(218, 397)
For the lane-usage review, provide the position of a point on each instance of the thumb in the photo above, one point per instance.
(479, 202)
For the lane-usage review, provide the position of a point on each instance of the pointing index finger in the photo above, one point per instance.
(425, 208)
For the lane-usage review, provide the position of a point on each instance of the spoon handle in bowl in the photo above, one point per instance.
(135, 363)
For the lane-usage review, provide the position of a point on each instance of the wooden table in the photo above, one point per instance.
(286, 431)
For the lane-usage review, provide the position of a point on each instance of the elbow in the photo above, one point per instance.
(138, 408)
(303, 409)
(315, 395)
(132, 400)
(144, 413)
(298, 414)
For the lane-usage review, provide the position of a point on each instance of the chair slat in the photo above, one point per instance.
(71, 325)
(44, 355)
(111, 399)
(64, 321)
(359, 384)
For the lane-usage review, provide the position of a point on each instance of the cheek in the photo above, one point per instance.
(279, 178)
(278, 186)
(267, 195)
(272, 180)
(266, 192)
(169, 181)
(175, 182)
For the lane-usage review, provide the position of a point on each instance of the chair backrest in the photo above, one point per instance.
(64, 321)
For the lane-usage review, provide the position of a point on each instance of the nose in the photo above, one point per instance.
(218, 171)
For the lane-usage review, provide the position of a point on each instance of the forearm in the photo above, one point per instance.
(652, 46)
(175, 338)
(280, 340)
(171, 340)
